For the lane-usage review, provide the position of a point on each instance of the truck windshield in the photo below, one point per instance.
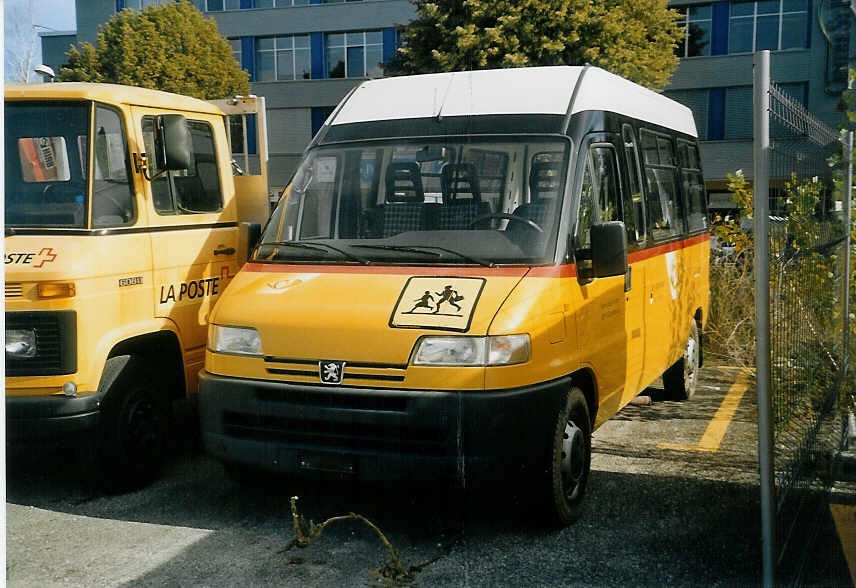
(436, 201)
(47, 166)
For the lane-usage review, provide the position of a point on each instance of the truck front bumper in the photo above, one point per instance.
(376, 433)
(47, 417)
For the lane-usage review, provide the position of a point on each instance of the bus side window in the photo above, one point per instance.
(693, 186)
(665, 213)
(634, 207)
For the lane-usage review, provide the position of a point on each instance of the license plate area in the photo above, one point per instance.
(327, 462)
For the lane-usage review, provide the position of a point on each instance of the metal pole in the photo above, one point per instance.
(848, 190)
(762, 314)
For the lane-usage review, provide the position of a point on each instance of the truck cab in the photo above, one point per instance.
(124, 224)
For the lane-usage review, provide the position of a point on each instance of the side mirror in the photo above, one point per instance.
(173, 143)
(609, 249)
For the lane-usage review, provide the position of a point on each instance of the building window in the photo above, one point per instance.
(283, 58)
(355, 55)
(220, 5)
(236, 49)
(738, 107)
(139, 4)
(768, 24)
(697, 22)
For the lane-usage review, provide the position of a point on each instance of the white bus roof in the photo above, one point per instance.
(531, 90)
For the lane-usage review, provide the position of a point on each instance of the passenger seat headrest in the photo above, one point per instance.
(457, 178)
(404, 182)
(545, 179)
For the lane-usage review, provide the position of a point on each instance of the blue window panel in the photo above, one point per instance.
(808, 24)
(246, 4)
(719, 38)
(316, 43)
(319, 115)
(120, 4)
(251, 134)
(315, 1)
(716, 115)
(389, 44)
(248, 56)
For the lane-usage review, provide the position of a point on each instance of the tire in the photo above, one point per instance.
(133, 426)
(681, 378)
(570, 459)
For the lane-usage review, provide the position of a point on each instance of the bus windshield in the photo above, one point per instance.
(463, 200)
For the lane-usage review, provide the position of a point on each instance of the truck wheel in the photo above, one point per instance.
(570, 459)
(133, 425)
(680, 379)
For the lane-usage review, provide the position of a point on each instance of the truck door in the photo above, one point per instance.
(194, 229)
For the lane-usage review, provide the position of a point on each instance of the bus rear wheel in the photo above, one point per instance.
(681, 378)
(570, 459)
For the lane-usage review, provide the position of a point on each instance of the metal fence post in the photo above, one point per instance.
(848, 193)
(766, 464)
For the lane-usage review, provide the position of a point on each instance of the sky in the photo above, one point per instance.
(22, 21)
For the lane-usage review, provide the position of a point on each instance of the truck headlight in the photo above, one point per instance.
(21, 343)
(472, 351)
(235, 340)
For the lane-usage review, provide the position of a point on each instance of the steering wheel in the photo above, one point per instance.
(62, 191)
(529, 223)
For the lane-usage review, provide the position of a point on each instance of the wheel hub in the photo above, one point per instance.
(573, 458)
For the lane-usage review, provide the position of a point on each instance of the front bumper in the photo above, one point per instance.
(47, 417)
(376, 433)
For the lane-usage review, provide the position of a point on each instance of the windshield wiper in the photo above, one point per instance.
(427, 249)
(322, 247)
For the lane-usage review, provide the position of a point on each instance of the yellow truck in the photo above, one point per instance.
(124, 225)
(470, 272)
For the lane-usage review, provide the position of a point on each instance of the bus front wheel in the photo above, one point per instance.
(570, 459)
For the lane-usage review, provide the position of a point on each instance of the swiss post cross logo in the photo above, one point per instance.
(331, 371)
(36, 260)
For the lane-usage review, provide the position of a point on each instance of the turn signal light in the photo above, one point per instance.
(62, 290)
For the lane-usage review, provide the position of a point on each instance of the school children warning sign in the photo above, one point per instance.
(439, 303)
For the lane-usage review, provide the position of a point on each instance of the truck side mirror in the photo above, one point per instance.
(609, 249)
(173, 143)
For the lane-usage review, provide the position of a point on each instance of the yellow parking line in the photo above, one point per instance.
(717, 427)
(845, 521)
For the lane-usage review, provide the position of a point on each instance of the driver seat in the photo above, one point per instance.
(544, 184)
(458, 213)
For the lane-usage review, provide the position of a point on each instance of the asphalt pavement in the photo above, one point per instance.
(672, 500)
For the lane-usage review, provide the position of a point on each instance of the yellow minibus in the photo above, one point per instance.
(468, 274)
(124, 224)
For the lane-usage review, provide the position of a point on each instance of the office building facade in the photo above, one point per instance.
(303, 56)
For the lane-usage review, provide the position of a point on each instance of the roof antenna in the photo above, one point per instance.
(439, 116)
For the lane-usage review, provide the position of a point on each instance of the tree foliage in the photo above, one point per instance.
(632, 38)
(170, 47)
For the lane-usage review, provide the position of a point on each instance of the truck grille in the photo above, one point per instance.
(14, 289)
(56, 343)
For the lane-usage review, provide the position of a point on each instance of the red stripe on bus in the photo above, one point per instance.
(644, 254)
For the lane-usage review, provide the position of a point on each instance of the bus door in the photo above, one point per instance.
(608, 313)
(634, 222)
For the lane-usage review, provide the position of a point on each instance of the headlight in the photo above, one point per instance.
(20, 343)
(237, 340)
(473, 351)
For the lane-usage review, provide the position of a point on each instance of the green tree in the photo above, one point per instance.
(632, 38)
(170, 47)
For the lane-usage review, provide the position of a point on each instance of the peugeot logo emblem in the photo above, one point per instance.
(331, 372)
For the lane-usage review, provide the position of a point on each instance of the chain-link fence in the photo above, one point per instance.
(801, 285)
